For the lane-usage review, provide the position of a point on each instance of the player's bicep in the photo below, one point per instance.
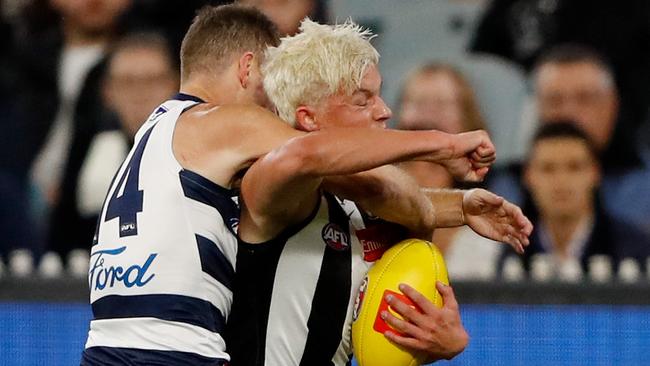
(276, 190)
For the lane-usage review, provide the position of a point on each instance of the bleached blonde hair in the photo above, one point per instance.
(319, 61)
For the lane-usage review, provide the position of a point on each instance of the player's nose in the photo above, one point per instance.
(383, 112)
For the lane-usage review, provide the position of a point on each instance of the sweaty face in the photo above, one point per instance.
(432, 101)
(138, 80)
(364, 108)
(561, 176)
(580, 92)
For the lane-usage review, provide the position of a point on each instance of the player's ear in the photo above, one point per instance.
(245, 65)
(305, 119)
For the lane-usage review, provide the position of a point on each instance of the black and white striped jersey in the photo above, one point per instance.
(294, 295)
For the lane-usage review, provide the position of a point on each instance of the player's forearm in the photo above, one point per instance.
(389, 193)
(448, 206)
(292, 173)
(340, 151)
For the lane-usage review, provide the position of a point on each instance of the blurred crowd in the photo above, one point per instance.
(78, 77)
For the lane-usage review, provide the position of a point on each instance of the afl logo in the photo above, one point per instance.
(335, 237)
(359, 301)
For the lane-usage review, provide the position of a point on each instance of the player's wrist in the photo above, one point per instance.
(448, 207)
(443, 147)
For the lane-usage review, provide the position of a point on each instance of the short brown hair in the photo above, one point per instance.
(218, 32)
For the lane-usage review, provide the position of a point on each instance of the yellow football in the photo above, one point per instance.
(417, 263)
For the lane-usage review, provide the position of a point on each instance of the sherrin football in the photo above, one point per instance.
(417, 263)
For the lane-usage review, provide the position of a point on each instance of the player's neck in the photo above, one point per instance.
(226, 92)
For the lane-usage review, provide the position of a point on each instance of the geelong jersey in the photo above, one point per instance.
(162, 262)
(294, 295)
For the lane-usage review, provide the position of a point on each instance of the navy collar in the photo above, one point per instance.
(184, 97)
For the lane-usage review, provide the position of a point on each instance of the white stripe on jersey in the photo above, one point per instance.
(208, 222)
(217, 294)
(156, 334)
(296, 271)
(296, 278)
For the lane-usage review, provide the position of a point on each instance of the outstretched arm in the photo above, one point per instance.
(486, 213)
(391, 194)
(282, 187)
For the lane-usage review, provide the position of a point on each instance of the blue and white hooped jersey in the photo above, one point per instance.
(163, 258)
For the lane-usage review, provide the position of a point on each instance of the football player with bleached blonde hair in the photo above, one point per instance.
(304, 246)
(320, 61)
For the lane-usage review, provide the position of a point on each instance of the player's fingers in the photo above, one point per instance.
(406, 342)
(486, 143)
(479, 160)
(418, 299)
(522, 222)
(403, 309)
(402, 326)
(523, 239)
(482, 172)
(448, 297)
(516, 214)
(513, 240)
(527, 228)
(509, 237)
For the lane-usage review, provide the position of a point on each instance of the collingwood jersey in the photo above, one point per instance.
(162, 262)
(294, 295)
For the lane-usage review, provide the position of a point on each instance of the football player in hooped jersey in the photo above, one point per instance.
(301, 257)
(162, 262)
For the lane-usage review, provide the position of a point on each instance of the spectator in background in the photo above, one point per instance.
(87, 27)
(170, 18)
(437, 96)
(562, 176)
(140, 74)
(524, 30)
(15, 223)
(575, 84)
(60, 64)
(287, 14)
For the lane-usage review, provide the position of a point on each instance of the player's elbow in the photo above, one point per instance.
(295, 158)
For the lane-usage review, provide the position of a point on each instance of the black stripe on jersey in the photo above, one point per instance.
(330, 303)
(254, 278)
(200, 189)
(185, 97)
(177, 308)
(214, 262)
(96, 356)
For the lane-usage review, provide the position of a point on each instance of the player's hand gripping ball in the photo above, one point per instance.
(417, 263)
